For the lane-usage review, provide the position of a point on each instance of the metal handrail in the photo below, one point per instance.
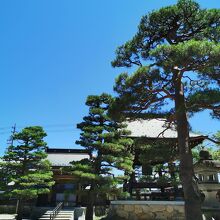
(54, 213)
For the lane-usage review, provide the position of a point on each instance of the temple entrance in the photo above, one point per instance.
(65, 193)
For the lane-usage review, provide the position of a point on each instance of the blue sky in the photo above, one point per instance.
(55, 53)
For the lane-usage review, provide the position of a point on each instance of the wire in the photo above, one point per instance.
(47, 131)
(5, 128)
(44, 126)
(65, 130)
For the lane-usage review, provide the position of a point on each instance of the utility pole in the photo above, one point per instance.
(10, 141)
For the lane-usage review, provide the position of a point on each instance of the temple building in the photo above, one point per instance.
(151, 137)
(65, 183)
(156, 151)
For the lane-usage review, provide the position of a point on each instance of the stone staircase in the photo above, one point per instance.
(62, 215)
(8, 217)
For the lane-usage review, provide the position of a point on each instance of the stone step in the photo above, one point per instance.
(57, 218)
(62, 215)
(63, 211)
(7, 217)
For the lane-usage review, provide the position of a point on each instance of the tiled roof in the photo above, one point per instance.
(64, 159)
(153, 128)
(66, 150)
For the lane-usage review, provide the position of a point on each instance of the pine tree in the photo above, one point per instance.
(177, 52)
(109, 148)
(25, 165)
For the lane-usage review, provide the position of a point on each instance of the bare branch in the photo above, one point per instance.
(213, 140)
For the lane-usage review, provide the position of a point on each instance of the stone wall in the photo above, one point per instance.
(147, 210)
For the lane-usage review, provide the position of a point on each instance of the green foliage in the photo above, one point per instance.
(135, 95)
(158, 152)
(213, 151)
(25, 165)
(182, 37)
(217, 136)
(169, 25)
(204, 99)
(192, 55)
(215, 155)
(177, 52)
(109, 149)
(163, 179)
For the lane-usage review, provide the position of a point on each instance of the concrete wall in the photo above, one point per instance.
(147, 210)
(79, 213)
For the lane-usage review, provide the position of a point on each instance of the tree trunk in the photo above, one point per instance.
(90, 210)
(90, 204)
(191, 194)
(19, 209)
